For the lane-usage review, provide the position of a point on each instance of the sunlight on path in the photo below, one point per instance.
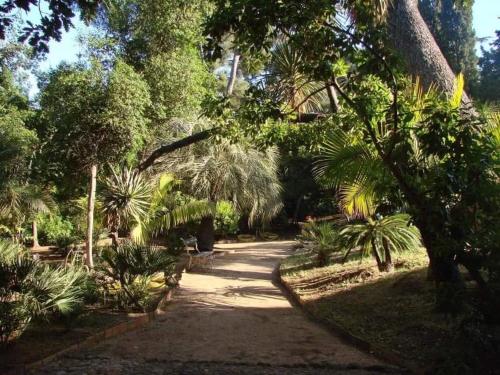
(230, 316)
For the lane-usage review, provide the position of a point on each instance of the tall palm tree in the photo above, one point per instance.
(238, 173)
(19, 203)
(379, 237)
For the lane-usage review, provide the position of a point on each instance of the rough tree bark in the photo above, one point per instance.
(411, 37)
(90, 216)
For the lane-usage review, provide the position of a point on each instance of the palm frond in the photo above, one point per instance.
(348, 166)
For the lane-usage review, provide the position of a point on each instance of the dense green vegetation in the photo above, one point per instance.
(217, 119)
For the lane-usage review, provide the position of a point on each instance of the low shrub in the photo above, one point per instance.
(324, 237)
(132, 274)
(226, 219)
(30, 289)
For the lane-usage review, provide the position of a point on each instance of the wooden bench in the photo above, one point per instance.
(202, 259)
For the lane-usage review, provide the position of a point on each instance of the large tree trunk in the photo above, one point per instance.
(34, 229)
(414, 41)
(206, 234)
(232, 76)
(90, 216)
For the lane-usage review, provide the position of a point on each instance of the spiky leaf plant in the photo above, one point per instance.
(379, 237)
(30, 289)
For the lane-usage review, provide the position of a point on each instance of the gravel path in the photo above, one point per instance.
(230, 320)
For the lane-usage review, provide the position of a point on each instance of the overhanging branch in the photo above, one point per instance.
(171, 147)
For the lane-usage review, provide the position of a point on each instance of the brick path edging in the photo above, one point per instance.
(344, 333)
(137, 320)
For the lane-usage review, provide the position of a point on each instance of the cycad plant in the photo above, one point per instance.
(169, 208)
(132, 266)
(30, 289)
(324, 237)
(379, 237)
(347, 165)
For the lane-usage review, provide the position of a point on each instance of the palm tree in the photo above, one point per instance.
(238, 173)
(168, 209)
(288, 83)
(19, 203)
(147, 205)
(379, 237)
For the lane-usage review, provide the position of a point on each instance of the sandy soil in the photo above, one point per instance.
(232, 315)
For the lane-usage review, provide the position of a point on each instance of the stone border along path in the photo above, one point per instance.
(230, 320)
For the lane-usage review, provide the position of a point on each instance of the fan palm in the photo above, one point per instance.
(19, 203)
(30, 289)
(238, 173)
(379, 237)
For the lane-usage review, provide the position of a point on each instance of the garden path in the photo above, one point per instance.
(233, 319)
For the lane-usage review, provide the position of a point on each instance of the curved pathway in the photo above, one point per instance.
(230, 320)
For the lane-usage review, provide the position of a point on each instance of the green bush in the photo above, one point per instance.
(134, 268)
(226, 219)
(55, 230)
(30, 289)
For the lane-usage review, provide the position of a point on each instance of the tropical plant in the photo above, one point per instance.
(19, 203)
(238, 173)
(380, 237)
(324, 238)
(348, 165)
(92, 115)
(289, 84)
(167, 209)
(30, 289)
(126, 197)
(134, 267)
(59, 231)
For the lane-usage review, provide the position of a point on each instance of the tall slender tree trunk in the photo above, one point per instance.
(90, 216)
(411, 37)
(34, 229)
(206, 234)
(232, 76)
(334, 100)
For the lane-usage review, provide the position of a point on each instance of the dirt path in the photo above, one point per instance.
(231, 320)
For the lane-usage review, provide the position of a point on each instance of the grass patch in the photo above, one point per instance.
(394, 312)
